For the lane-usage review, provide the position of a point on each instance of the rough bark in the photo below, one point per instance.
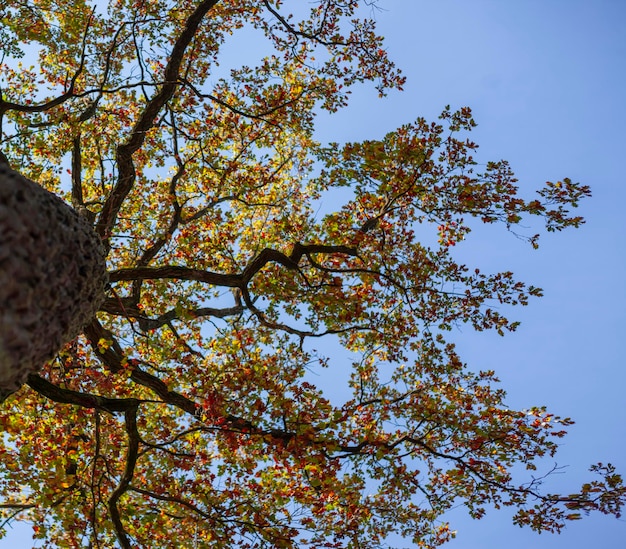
(52, 277)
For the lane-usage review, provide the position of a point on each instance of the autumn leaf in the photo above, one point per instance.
(252, 273)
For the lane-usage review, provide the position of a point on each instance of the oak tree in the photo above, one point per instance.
(252, 270)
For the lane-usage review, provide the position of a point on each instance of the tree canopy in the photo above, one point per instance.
(252, 270)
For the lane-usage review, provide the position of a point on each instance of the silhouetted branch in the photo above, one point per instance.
(127, 477)
(86, 400)
(125, 151)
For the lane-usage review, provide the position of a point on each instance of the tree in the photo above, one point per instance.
(51, 286)
(192, 411)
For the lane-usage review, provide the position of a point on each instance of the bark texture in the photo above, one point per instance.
(52, 277)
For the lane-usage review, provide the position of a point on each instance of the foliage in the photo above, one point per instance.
(200, 407)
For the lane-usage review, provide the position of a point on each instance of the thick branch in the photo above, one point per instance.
(77, 184)
(86, 400)
(112, 356)
(229, 280)
(126, 167)
(177, 273)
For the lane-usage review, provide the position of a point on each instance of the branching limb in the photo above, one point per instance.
(114, 307)
(131, 460)
(264, 257)
(6, 106)
(125, 151)
(86, 400)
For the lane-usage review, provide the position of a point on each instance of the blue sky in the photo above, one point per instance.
(546, 81)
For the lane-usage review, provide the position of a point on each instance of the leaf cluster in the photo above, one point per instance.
(250, 270)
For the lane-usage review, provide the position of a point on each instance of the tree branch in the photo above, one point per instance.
(50, 104)
(127, 477)
(125, 151)
(117, 307)
(264, 257)
(86, 400)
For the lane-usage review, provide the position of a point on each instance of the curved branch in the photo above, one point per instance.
(127, 477)
(86, 400)
(125, 151)
(261, 116)
(298, 33)
(117, 307)
(112, 356)
(264, 257)
(302, 334)
(42, 107)
(176, 272)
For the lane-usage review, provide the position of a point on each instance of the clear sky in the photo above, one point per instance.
(546, 80)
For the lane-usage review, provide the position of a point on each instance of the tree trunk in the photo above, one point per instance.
(52, 277)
